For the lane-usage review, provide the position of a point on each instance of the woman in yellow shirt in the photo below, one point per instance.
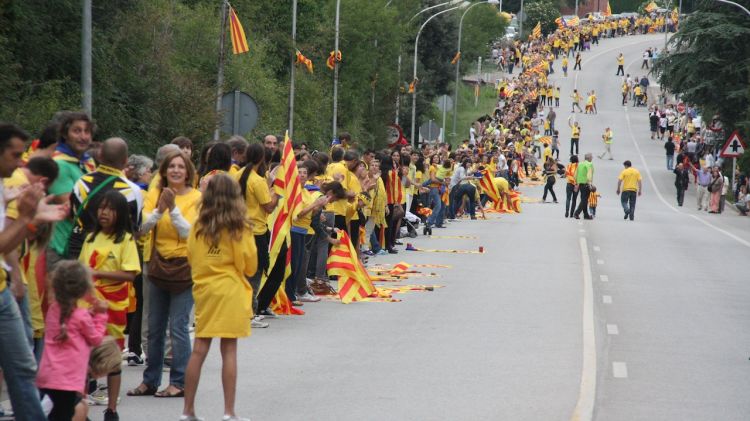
(218, 161)
(220, 260)
(260, 202)
(169, 211)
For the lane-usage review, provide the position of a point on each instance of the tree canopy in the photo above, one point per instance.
(542, 11)
(709, 63)
(155, 63)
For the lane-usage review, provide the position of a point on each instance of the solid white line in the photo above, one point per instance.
(599, 261)
(596, 248)
(607, 299)
(604, 278)
(667, 204)
(584, 409)
(613, 330)
(620, 370)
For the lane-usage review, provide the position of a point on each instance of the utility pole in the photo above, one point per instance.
(521, 16)
(292, 69)
(336, 71)
(86, 57)
(576, 12)
(220, 72)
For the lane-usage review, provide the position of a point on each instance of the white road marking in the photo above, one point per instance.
(599, 261)
(620, 370)
(582, 231)
(604, 278)
(612, 330)
(584, 409)
(607, 299)
(669, 205)
(596, 248)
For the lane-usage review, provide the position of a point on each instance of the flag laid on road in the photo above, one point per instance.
(354, 281)
(239, 41)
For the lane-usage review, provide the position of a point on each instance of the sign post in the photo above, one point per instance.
(733, 148)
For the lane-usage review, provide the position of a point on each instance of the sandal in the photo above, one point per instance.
(164, 393)
(138, 391)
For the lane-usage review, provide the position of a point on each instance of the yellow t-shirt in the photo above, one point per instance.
(576, 132)
(339, 207)
(353, 185)
(168, 242)
(630, 178)
(104, 255)
(18, 179)
(223, 297)
(36, 292)
(257, 193)
(620, 60)
(305, 221)
(501, 184)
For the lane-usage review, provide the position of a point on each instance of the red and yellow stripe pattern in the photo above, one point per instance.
(355, 283)
(239, 41)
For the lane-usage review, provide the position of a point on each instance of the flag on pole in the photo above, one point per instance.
(651, 7)
(333, 58)
(456, 58)
(301, 59)
(287, 186)
(537, 31)
(355, 283)
(608, 10)
(574, 21)
(239, 41)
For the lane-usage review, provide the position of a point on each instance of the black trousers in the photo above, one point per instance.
(135, 318)
(574, 145)
(585, 190)
(680, 195)
(570, 199)
(620, 71)
(65, 403)
(273, 281)
(549, 187)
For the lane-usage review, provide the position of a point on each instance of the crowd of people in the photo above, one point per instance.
(107, 253)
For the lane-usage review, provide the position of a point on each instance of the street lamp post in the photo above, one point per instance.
(458, 52)
(336, 73)
(414, 75)
(744, 9)
(521, 17)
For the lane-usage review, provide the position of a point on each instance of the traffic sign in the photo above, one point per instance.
(734, 147)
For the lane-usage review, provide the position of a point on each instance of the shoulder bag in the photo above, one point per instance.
(172, 275)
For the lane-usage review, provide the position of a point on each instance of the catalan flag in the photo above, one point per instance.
(399, 268)
(354, 281)
(288, 187)
(537, 31)
(651, 7)
(239, 41)
(456, 58)
(574, 21)
(490, 189)
(301, 59)
(333, 58)
(608, 10)
(116, 295)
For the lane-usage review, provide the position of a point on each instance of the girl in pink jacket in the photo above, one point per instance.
(71, 332)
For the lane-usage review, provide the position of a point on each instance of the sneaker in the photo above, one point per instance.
(269, 313)
(134, 359)
(110, 415)
(190, 418)
(255, 323)
(98, 398)
(297, 303)
(308, 298)
(234, 418)
(381, 252)
(368, 253)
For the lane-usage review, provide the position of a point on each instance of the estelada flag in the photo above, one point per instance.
(239, 41)
(456, 58)
(355, 283)
(608, 10)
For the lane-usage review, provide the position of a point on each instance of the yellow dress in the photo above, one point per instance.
(223, 297)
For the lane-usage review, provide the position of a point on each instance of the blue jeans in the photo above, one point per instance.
(166, 307)
(436, 218)
(670, 162)
(17, 361)
(462, 190)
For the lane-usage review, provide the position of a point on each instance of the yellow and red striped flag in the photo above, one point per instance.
(399, 268)
(301, 59)
(354, 281)
(608, 10)
(333, 58)
(287, 186)
(537, 31)
(456, 58)
(489, 188)
(239, 41)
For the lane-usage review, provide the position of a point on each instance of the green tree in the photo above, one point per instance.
(540, 11)
(709, 63)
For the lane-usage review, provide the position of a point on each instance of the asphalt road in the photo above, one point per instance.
(655, 325)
